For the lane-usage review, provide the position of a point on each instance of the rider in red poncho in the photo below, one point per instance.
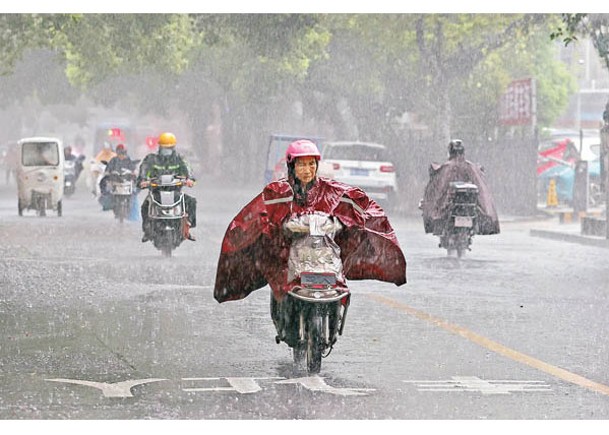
(437, 202)
(255, 248)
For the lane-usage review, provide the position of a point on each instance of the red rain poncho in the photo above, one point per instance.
(255, 248)
(437, 203)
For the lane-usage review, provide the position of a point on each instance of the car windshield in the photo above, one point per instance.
(356, 152)
(40, 154)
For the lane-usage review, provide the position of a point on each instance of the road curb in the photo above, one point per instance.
(574, 238)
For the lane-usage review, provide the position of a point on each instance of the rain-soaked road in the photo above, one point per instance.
(96, 325)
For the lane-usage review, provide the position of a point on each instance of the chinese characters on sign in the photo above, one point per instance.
(517, 104)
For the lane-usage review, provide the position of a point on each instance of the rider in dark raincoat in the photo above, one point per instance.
(436, 202)
(255, 248)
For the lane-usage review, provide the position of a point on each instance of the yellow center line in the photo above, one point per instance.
(496, 347)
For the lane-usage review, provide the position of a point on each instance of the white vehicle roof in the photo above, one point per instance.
(39, 139)
(350, 143)
(355, 151)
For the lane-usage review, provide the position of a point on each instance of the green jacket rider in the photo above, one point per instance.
(166, 161)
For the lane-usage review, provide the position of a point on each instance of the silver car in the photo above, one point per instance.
(365, 165)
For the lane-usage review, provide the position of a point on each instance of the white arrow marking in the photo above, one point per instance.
(117, 389)
(475, 384)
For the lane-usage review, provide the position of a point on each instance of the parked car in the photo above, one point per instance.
(365, 165)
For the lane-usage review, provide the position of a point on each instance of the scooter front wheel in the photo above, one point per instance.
(300, 355)
(122, 210)
(314, 344)
(166, 251)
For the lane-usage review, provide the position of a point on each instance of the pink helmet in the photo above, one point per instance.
(302, 148)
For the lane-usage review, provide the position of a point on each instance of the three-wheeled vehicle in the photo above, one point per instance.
(40, 178)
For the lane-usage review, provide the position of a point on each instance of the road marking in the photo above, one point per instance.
(241, 385)
(117, 389)
(181, 286)
(69, 261)
(316, 383)
(496, 347)
(475, 384)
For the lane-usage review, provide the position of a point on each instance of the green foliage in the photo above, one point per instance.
(19, 32)
(98, 46)
(569, 27)
(366, 69)
(531, 55)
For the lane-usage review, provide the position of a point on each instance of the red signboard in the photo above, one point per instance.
(517, 105)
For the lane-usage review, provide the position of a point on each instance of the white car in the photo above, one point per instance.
(365, 165)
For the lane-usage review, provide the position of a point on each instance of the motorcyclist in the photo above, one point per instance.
(436, 201)
(69, 155)
(105, 154)
(79, 146)
(255, 248)
(97, 166)
(116, 164)
(166, 161)
(120, 161)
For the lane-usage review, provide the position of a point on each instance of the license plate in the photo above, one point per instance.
(359, 172)
(314, 280)
(122, 189)
(463, 221)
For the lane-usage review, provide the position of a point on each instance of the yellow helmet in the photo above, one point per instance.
(167, 140)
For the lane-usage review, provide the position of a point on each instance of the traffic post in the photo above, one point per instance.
(552, 197)
(580, 188)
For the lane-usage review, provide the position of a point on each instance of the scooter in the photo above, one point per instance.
(70, 175)
(462, 222)
(167, 213)
(122, 187)
(312, 314)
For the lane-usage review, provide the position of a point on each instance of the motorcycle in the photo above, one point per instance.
(167, 213)
(121, 186)
(462, 222)
(312, 314)
(69, 177)
(71, 171)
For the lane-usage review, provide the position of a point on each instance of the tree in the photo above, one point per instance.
(340, 75)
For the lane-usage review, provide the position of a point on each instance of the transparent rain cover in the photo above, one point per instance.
(313, 248)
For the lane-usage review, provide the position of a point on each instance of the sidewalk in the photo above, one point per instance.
(562, 224)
